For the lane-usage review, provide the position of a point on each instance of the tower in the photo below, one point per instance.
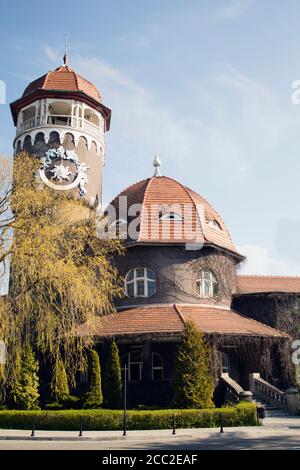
(61, 119)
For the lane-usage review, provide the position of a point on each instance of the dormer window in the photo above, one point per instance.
(215, 224)
(140, 282)
(207, 284)
(171, 216)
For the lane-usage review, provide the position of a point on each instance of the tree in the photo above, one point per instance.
(59, 381)
(25, 392)
(94, 398)
(112, 380)
(193, 382)
(61, 274)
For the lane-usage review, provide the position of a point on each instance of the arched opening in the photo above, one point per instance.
(140, 282)
(225, 363)
(40, 146)
(54, 140)
(69, 142)
(27, 146)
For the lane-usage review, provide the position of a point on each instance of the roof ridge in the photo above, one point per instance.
(126, 189)
(180, 314)
(269, 276)
(143, 206)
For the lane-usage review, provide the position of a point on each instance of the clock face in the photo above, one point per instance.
(62, 170)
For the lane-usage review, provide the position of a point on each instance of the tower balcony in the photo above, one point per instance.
(58, 120)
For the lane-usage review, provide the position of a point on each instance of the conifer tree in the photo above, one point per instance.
(94, 398)
(25, 392)
(193, 382)
(113, 381)
(59, 383)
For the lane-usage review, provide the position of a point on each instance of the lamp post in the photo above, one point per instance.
(125, 402)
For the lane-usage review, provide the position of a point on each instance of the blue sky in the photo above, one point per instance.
(204, 84)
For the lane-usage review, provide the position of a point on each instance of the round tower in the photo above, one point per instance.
(61, 119)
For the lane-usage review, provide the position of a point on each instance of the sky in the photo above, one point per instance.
(205, 84)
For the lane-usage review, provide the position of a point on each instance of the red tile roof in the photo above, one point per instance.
(255, 284)
(170, 319)
(195, 226)
(63, 79)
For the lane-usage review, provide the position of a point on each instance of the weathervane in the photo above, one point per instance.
(65, 58)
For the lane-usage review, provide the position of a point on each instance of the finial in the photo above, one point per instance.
(156, 164)
(65, 58)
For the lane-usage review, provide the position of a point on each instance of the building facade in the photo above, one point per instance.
(180, 262)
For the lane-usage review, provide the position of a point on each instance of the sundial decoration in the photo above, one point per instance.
(63, 170)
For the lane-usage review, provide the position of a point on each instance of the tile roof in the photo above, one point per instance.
(63, 79)
(197, 214)
(170, 319)
(255, 284)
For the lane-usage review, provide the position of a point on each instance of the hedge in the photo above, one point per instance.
(109, 420)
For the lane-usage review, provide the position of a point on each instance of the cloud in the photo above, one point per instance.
(262, 261)
(51, 53)
(232, 10)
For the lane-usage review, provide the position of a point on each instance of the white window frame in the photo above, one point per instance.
(153, 368)
(136, 279)
(171, 217)
(206, 278)
(215, 224)
(127, 360)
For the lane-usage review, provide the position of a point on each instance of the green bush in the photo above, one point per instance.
(94, 398)
(59, 381)
(112, 387)
(101, 420)
(193, 382)
(24, 392)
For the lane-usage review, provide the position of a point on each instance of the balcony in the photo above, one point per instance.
(59, 120)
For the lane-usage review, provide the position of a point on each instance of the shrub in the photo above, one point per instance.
(112, 381)
(193, 381)
(241, 415)
(59, 381)
(94, 398)
(25, 393)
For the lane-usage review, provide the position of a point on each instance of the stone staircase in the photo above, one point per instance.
(272, 411)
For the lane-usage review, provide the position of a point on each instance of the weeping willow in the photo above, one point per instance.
(62, 274)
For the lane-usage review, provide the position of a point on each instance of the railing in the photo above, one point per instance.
(269, 392)
(233, 389)
(60, 121)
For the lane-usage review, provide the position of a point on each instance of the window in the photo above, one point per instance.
(134, 363)
(215, 224)
(140, 282)
(224, 363)
(207, 284)
(170, 216)
(157, 367)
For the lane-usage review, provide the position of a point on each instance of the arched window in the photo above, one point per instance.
(207, 284)
(140, 282)
(215, 224)
(157, 367)
(171, 216)
(134, 363)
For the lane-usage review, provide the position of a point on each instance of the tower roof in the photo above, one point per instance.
(64, 83)
(63, 79)
(190, 216)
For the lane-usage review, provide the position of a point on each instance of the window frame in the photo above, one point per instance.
(126, 359)
(207, 284)
(135, 281)
(154, 368)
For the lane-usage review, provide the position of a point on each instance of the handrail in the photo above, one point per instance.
(233, 389)
(271, 392)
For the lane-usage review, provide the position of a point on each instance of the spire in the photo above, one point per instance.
(156, 164)
(65, 58)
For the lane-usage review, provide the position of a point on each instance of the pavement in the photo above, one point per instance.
(277, 432)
